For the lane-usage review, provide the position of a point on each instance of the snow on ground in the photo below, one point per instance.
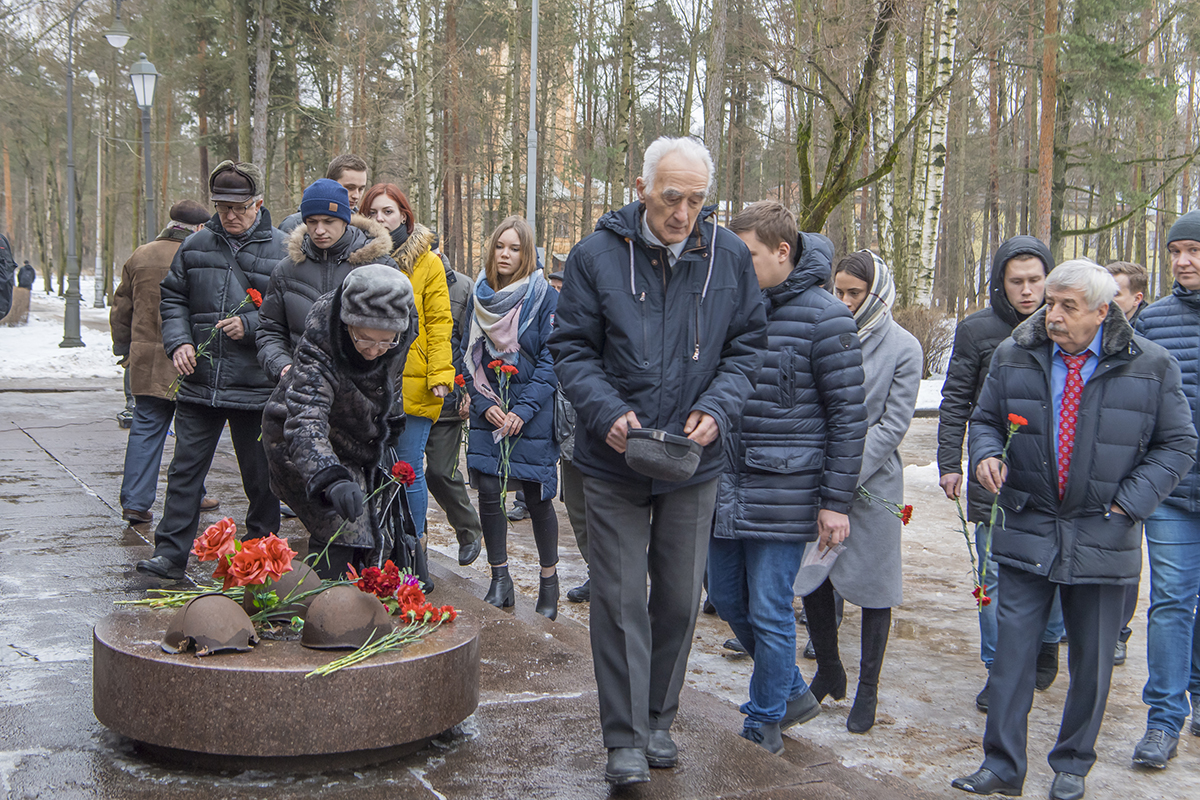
(32, 351)
(929, 396)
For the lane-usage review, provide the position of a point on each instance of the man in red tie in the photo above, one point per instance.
(1103, 433)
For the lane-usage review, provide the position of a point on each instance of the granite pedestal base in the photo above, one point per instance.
(259, 704)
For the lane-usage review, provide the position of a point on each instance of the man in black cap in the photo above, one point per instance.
(210, 325)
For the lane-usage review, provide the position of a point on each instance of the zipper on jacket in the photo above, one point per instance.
(696, 350)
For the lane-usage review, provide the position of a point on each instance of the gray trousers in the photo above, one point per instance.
(1093, 614)
(640, 641)
(572, 495)
(446, 482)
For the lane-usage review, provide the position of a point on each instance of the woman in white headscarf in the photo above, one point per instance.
(868, 572)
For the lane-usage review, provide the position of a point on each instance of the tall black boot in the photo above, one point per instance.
(876, 622)
(500, 592)
(547, 602)
(830, 679)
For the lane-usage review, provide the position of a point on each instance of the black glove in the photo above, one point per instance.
(346, 498)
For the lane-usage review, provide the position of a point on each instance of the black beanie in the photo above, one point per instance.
(1186, 227)
(377, 296)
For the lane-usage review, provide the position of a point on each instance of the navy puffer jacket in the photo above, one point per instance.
(634, 334)
(1133, 443)
(1174, 323)
(797, 446)
(201, 289)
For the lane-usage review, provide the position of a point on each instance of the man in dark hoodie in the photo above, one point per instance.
(1019, 271)
(660, 325)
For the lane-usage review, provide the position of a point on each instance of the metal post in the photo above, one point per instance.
(531, 139)
(101, 284)
(151, 223)
(71, 336)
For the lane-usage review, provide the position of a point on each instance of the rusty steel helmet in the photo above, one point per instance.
(213, 623)
(344, 617)
(290, 586)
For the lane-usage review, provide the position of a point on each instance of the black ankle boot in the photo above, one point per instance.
(862, 715)
(830, 680)
(500, 592)
(547, 602)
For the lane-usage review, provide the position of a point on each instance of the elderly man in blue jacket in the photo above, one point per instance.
(1098, 433)
(660, 325)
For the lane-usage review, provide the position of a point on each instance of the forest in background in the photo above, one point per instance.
(928, 130)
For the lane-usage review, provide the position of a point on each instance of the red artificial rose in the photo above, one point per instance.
(216, 541)
(497, 364)
(906, 514)
(460, 381)
(247, 568)
(402, 472)
(1017, 419)
(255, 297)
(277, 555)
(509, 368)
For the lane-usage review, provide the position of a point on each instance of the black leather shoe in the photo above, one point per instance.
(981, 699)
(160, 567)
(1047, 666)
(467, 553)
(1155, 749)
(800, 710)
(661, 752)
(766, 737)
(1195, 724)
(734, 646)
(136, 517)
(810, 651)
(984, 781)
(500, 591)
(286, 512)
(1118, 658)
(581, 593)
(547, 602)
(626, 766)
(1067, 786)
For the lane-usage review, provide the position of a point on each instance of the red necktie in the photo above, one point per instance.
(1068, 415)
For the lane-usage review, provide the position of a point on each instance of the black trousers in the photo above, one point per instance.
(197, 431)
(640, 642)
(1093, 614)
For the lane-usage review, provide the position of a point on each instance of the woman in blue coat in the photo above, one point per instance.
(510, 379)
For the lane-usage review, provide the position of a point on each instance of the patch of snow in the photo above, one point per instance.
(32, 351)
(929, 396)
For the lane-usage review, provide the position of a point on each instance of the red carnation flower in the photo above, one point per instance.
(460, 381)
(1017, 419)
(497, 364)
(906, 514)
(255, 297)
(402, 472)
(510, 369)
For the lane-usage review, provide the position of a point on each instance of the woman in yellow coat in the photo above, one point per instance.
(428, 372)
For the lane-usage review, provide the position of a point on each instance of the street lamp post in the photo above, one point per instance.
(98, 282)
(117, 36)
(144, 76)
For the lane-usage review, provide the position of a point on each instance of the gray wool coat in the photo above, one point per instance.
(868, 573)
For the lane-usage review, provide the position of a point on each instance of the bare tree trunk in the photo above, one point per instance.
(262, 82)
(714, 99)
(1046, 132)
(202, 91)
(240, 59)
(625, 104)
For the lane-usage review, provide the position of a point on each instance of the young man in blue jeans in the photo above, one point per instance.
(793, 459)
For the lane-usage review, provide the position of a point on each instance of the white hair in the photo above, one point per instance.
(1093, 281)
(685, 146)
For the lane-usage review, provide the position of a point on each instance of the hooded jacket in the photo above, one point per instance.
(304, 275)
(459, 287)
(327, 421)
(201, 289)
(135, 320)
(429, 359)
(1134, 441)
(634, 334)
(975, 339)
(1174, 323)
(797, 446)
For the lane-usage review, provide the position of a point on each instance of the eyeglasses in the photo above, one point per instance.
(224, 209)
(394, 343)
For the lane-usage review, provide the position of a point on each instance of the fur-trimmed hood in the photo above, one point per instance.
(1031, 334)
(365, 242)
(416, 245)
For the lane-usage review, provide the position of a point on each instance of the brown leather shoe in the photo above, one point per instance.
(209, 503)
(136, 517)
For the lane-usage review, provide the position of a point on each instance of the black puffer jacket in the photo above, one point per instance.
(304, 275)
(633, 334)
(975, 340)
(327, 421)
(797, 446)
(201, 289)
(1133, 443)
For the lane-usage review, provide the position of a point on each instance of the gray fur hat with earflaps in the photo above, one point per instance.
(378, 297)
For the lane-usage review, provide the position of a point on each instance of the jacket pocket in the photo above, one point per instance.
(783, 459)
(1013, 499)
(787, 377)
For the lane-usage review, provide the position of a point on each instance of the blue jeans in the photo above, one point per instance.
(144, 450)
(1055, 628)
(1172, 646)
(750, 583)
(410, 447)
